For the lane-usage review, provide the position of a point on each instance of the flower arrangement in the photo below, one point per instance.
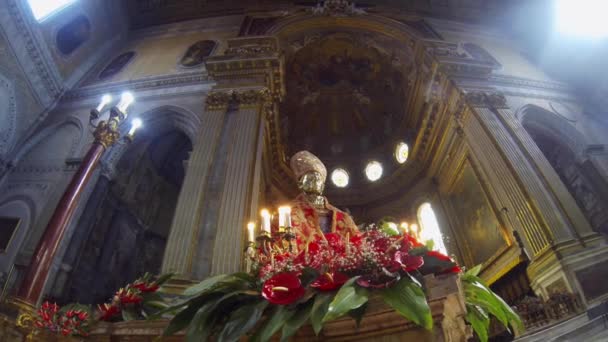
(70, 320)
(137, 300)
(293, 282)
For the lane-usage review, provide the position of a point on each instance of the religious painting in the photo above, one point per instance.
(73, 34)
(8, 227)
(197, 52)
(116, 65)
(478, 223)
(345, 93)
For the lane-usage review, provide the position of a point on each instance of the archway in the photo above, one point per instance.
(130, 217)
(561, 144)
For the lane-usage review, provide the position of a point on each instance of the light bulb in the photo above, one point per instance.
(135, 124)
(125, 101)
(104, 101)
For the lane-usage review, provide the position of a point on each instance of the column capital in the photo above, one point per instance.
(486, 99)
(249, 62)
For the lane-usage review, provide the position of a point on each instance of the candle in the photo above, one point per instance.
(404, 227)
(265, 221)
(250, 229)
(284, 216)
(415, 231)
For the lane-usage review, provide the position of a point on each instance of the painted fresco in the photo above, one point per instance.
(477, 221)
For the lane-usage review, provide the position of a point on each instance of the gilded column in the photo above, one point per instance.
(185, 228)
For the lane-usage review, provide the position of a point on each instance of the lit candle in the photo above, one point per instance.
(284, 216)
(404, 227)
(126, 99)
(415, 231)
(265, 221)
(250, 229)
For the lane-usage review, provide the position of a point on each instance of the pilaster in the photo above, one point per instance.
(563, 247)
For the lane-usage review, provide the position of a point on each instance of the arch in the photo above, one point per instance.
(563, 147)
(157, 121)
(43, 134)
(24, 208)
(73, 34)
(543, 121)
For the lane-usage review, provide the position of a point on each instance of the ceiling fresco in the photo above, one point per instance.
(346, 96)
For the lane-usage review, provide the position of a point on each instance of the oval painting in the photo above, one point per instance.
(197, 52)
(116, 65)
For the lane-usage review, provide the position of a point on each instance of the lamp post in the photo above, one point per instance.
(106, 134)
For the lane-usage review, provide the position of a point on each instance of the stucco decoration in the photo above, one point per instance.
(8, 115)
(197, 52)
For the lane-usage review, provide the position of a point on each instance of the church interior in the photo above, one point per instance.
(155, 136)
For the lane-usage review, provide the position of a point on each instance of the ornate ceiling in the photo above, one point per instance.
(346, 94)
(144, 13)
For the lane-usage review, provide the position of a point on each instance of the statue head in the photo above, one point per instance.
(309, 171)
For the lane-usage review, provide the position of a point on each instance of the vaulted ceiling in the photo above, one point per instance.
(144, 13)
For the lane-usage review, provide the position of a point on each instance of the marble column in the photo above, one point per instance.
(243, 159)
(185, 228)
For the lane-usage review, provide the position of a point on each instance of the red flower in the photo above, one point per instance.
(129, 295)
(108, 311)
(329, 281)
(145, 287)
(439, 256)
(407, 262)
(413, 241)
(455, 269)
(83, 315)
(283, 289)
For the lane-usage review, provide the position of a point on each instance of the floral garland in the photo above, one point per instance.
(293, 282)
(137, 300)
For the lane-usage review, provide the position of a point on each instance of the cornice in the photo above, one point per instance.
(155, 82)
(32, 53)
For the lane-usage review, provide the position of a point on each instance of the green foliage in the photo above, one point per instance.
(408, 299)
(358, 313)
(349, 297)
(388, 226)
(482, 301)
(242, 320)
(297, 320)
(319, 309)
(277, 319)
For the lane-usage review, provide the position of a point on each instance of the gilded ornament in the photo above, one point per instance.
(106, 133)
(218, 99)
(486, 99)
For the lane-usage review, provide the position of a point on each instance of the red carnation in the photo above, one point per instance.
(329, 281)
(283, 289)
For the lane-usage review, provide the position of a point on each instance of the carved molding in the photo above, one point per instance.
(486, 99)
(43, 74)
(220, 99)
(7, 132)
(171, 81)
(336, 8)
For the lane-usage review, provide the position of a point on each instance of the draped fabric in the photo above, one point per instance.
(305, 220)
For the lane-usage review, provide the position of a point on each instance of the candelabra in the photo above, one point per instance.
(268, 242)
(106, 134)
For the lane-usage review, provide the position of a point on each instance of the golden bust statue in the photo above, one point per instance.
(311, 212)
